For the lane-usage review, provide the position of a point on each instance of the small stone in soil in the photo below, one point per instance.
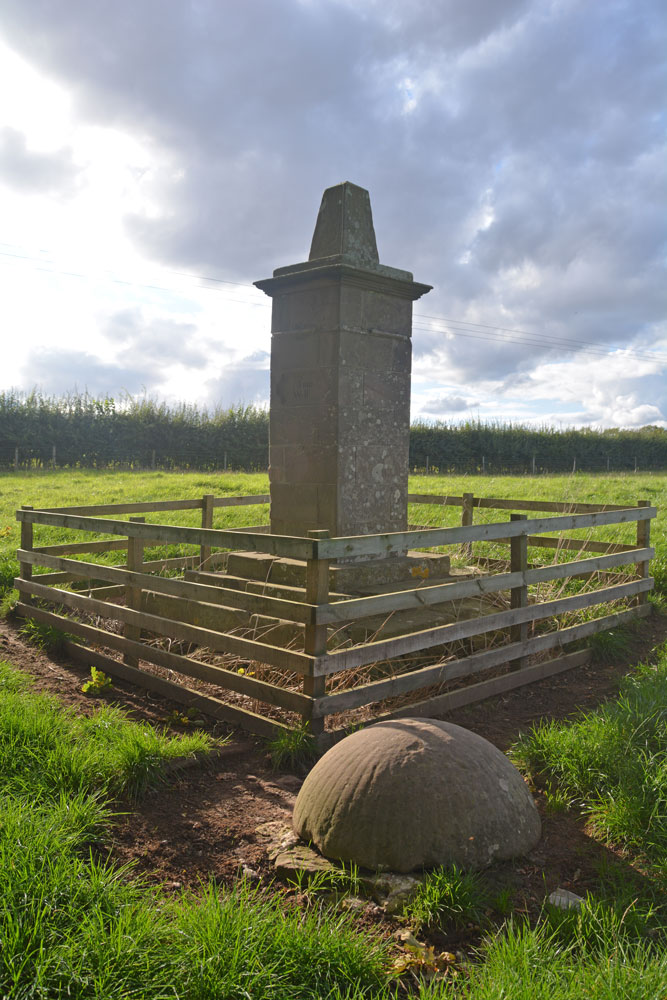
(392, 891)
(563, 899)
(354, 903)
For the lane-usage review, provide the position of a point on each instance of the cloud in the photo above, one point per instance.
(154, 342)
(513, 153)
(243, 381)
(147, 355)
(30, 171)
(61, 371)
(445, 404)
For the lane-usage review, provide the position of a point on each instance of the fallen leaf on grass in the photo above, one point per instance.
(421, 958)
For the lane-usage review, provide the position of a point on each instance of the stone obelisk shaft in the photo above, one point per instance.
(340, 379)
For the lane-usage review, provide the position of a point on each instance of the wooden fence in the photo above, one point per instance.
(118, 594)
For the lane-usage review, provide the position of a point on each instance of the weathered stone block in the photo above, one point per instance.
(371, 351)
(315, 306)
(350, 386)
(386, 390)
(340, 379)
(327, 507)
(303, 387)
(402, 355)
(294, 503)
(351, 307)
(387, 313)
(304, 350)
(311, 463)
(312, 423)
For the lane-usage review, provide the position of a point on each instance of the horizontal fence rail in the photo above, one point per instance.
(399, 541)
(298, 632)
(278, 545)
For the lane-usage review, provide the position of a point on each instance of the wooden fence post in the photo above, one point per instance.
(25, 569)
(315, 644)
(206, 522)
(135, 560)
(643, 541)
(16, 458)
(518, 595)
(466, 520)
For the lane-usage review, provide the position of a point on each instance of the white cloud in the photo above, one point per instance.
(513, 153)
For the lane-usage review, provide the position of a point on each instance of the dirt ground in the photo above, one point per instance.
(201, 824)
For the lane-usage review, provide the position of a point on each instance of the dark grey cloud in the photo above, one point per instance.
(30, 171)
(513, 151)
(60, 371)
(244, 381)
(156, 343)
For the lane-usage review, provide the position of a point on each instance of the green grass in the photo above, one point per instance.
(52, 751)
(70, 487)
(293, 749)
(448, 898)
(65, 488)
(73, 925)
(613, 761)
(611, 645)
(522, 963)
(48, 638)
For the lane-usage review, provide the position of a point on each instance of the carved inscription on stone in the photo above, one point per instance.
(302, 390)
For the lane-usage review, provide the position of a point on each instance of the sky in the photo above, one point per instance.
(157, 157)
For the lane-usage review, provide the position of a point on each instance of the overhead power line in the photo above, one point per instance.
(456, 327)
(544, 344)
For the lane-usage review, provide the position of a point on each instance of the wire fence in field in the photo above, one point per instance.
(23, 458)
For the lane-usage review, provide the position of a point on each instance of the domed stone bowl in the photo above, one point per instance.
(416, 793)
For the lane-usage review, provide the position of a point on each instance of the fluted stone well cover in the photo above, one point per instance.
(416, 793)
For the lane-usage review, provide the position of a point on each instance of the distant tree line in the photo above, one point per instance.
(495, 448)
(136, 433)
(78, 430)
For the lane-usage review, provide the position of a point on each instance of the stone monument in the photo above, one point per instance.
(340, 379)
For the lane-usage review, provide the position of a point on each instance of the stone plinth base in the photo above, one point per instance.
(346, 578)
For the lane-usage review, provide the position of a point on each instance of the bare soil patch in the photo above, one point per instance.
(202, 823)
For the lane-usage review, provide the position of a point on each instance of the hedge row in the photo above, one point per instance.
(495, 448)
(95, 433)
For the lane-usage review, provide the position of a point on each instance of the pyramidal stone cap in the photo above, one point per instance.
(344, 242)
(344, 226)
(416, 793)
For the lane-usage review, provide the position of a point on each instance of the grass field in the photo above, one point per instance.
(71, 924)
(69, 487)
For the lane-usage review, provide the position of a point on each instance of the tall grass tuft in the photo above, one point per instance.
(524, 963)
(448, 898)
(46, 749)
(614, 762)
